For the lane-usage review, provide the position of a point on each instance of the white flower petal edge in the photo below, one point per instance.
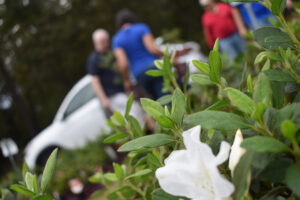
(236, 151)
(193, 172)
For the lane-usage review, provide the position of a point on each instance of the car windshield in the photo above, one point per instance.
(81, 98)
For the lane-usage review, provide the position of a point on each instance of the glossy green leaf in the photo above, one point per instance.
(31, 182)
(278, 75)
(288, 129)
(273, 38)
(154, 73)
(249, 83)
(48, 171)
(129, 104)
(203, 67)
(22, 190)
(201, 79)
(215, 65)
(217, 120)
(111, 177)
(25, 169)
(115, 137)
(276, 4)
(159, 64)
(240, 100)
(165, 122)
(143, 172)
(264, 144)
(149, 141)
(153, 108)
(218, 105)
(178, 106)
(292, 178)
(118, 171)
(135, 127)
(262, 90)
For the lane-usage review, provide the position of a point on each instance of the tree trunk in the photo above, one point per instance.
(17, 98)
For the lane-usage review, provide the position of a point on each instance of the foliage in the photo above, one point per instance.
(263, 102)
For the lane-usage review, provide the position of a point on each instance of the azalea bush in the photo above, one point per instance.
(215, 138)
(248, 147)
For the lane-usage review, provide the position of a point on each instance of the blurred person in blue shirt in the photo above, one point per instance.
(134, 47)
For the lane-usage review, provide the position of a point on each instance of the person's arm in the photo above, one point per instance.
(289, 4)
(122, 63)
(97, 86)
(208, 38)
(149, 42)
(239, 22)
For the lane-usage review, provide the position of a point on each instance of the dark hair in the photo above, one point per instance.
(124, 16)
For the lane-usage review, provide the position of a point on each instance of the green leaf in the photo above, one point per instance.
(240, 100)
(216, 45)
(264, 144)
(218, 105)
(273, 38)
(278, 94)
(97, 178)
(6, 194)
(215, 65)
(22, 190)
(262, 90)
(25, 169)
(267, 54)
(217, 120)
(159, 194)
(167, 66)
(113, 138)
(258, 112)
(111, 177)
(154, 73)
(31, 182)
(165, 122)
(135, 127)
(118, 118)
(153, 161)
(48, 171)
(278, 75)
(159, 64)
(140, 173)
(42, 197)
(164, 99)
(153, 108)
(241, 175)
(276, 4)
(118, 171)
(288, 129)
(201, 79)
(293, 178)
(203, 67)
(149, 141)
(178, 106)
(249, 83)
(129, 104)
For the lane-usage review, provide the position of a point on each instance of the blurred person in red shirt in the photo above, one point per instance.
(219, 22)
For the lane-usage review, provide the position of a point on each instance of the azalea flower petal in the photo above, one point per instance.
(223, 153)
(236, 151)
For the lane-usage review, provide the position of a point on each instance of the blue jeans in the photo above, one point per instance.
(233, 45)
(152, 85)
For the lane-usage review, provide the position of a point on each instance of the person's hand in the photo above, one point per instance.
(105, 103)
(127, 86)
(289, 4)
(243, 32)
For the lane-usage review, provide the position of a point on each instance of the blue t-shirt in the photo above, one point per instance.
(104, 66)
(131, 41)
(260, 13)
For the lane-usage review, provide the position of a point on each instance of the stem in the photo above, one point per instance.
(296, 148)
(175, 130)
(136, 189)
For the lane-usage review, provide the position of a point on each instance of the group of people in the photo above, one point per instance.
(133, 50)
(231, 22)
(132, 54)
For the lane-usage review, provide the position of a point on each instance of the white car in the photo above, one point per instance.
(79, 119)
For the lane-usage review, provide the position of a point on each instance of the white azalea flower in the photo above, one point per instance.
(236, 151)
(193, 172)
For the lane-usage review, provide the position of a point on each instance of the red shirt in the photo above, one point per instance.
(219, 24)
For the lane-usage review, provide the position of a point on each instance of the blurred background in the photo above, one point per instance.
(44, 46)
